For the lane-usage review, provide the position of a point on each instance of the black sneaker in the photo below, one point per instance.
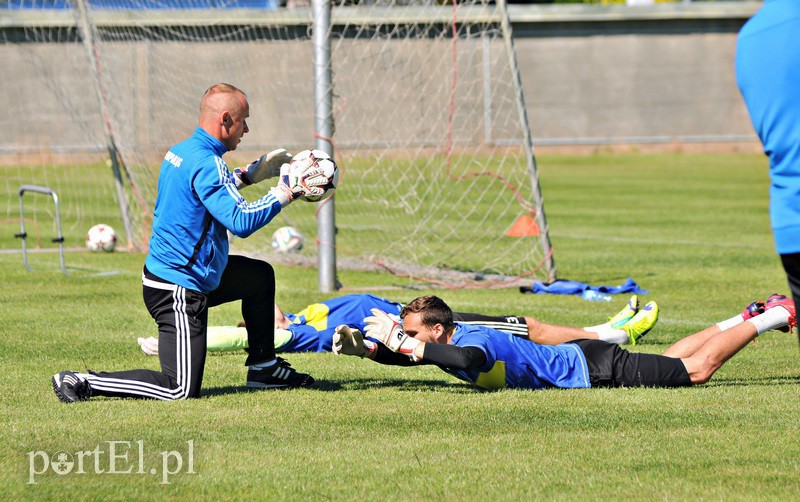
(71, 389)
(280, 374)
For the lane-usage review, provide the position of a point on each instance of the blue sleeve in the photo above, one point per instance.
(304, 339)
(214, 185)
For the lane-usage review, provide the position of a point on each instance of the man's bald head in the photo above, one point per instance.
(223, 113)
(219, 97)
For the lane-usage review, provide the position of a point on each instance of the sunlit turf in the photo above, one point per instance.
(692, 229)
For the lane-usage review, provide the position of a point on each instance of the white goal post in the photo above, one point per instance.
(421, 105)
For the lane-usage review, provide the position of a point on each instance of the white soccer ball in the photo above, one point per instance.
(322, 161)
(101, 238)
(287, 240)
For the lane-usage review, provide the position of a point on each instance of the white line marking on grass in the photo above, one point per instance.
(766, 245)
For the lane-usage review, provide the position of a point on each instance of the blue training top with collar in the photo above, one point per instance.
(197, 204)
(517, 363)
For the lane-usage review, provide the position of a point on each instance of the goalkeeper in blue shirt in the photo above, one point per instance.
(491, 359)
(188, 269)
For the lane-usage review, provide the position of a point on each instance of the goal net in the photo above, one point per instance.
(438, 178)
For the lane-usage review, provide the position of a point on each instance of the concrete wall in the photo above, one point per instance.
(590, 76)
(633, 87)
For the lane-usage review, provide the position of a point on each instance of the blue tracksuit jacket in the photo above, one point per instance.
(197, 203)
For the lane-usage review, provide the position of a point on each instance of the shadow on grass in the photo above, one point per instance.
(758, 381)
(356, 384)
(395, 383)
(651, 341)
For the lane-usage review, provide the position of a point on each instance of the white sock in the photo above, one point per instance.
(261, 366)
(776, 317)
(607, 334)
(598, 328)
(729, 323)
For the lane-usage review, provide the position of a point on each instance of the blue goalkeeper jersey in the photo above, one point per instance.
(312, 328)
(517, 363)
(197, 204)
(768, 74)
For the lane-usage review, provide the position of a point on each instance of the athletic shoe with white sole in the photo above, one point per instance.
(280, 374)
(71, 389)
(625, 315)
(642, 322)
(776, 300)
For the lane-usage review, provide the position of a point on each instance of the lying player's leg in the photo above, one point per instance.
(553, 334)
(621, 328)
(685, 347)
(510, 324)
(527, 327)
(779, 313)
(710, 349)
(629, 324)
(226, 339)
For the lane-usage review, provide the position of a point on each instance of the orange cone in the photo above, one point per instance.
(523, 227)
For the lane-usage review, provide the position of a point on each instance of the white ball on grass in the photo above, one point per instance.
(287, 240)
(101, 238)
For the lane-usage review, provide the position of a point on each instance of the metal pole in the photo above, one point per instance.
(541, 220)
(323, 113)
(487, 90)
(81, 9)
(22, 233)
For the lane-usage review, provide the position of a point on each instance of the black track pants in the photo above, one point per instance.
(182, 318)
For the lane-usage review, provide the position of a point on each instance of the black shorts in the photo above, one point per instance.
(612, 366)
(509, 324)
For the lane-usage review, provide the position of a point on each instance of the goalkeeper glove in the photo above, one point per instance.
(266, 166)
(282, 192)
(350, 342)
(383, 328)
(298, 179)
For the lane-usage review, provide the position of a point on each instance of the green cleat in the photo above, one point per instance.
(625, 315)
(642, 322)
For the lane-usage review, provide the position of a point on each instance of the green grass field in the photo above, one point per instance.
(692, 229)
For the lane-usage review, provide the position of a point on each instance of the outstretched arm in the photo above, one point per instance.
(350, 341)
(448, 356)
(265, 167)
(451, 356)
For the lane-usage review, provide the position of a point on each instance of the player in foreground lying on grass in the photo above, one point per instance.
(312, 329)
(494, 360)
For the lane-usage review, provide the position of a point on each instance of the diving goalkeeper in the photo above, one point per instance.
(312, 329)
(494, 360)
